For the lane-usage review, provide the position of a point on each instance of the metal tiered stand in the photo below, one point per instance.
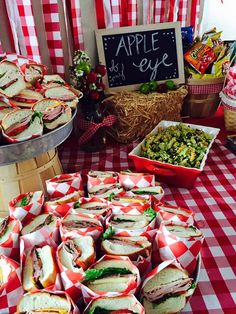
(25, 166)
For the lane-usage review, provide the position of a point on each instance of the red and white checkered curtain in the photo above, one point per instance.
(116, 13)
(75, 13)
(21, 21)
(29, 29)
(53, 35)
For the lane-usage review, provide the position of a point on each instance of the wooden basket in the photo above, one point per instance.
(229, 112)
(27, 176)
(203, 97)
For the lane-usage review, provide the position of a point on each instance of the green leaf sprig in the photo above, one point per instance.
(150, 213)
(93, 274)
(108, 233)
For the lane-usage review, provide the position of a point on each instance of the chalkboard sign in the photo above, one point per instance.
(134, 55)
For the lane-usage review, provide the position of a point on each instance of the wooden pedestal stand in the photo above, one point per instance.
(27, 175)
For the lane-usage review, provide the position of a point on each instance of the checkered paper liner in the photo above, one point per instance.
(130, 209)
(26, 213)
(184, 250)
(94, 232)
(75, 309)
(131, 180)
(71, 280)
(27, 242)
(11, 291)
(164, 215)
(91, 181)
(58, 210)
(88, 294)
(87, 200)
(138, 304)
(149, 229)
(11, 247)
(55, 188)
(144, 265)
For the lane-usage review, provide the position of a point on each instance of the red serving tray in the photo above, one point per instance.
(171, 174)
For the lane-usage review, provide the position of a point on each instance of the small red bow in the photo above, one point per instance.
(91, 128)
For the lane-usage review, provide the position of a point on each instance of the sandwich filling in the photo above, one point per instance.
(94, 274)
(26, 200)
(37, 266)
(105, 189)
(53, 112)
(3, 226)
(77, 224)
(75, 252)
(164, 291)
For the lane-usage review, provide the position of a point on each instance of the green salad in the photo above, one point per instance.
(178, 145)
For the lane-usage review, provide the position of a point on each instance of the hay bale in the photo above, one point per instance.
(137, 114)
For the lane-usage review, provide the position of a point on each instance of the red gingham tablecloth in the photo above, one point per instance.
(213, 199)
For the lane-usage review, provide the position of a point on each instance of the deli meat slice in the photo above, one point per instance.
(73, 249)
(18, 127)
(53, 113)
(181, 285)
(3, 226)
(71, 225)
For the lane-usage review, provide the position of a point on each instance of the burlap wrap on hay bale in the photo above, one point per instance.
(137, 114)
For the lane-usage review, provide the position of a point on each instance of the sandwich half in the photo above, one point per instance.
(7, 226)
(129, 222)
(124, 304)
(133, 247)
(166, 291)
(11, 79)
(39, 222)
(21, 125)
(34, 72)
(39, 270)
(72, 222)
(105, 190)
(77, 253)
(184, 231)
(111, 276)
(44, 302)
(4, 109)
(55, 113)
(26, 98)
(64, 94)
(94, 207)
(52, 80)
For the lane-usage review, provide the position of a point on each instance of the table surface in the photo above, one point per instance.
(213, 199)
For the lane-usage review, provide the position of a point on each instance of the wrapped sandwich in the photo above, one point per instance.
(11, 79)
(41, 230)
(128, 198)
(80, 224)
(43, 302)
(62, 205)
(5, 108)
(55, 113)
(22, 124)
(39, 268)
(133, 225)
(105, 190)
(9, 237)
(33, 72)
(156, 193)
(64, 184)
(74, 256)
(123, 304)
(186, 242)
(101, 177)
(130, 180)
(168, 212)
(166, 288)
(26, 206)
(111, 274)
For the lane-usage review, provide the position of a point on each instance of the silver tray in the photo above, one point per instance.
(12, 153)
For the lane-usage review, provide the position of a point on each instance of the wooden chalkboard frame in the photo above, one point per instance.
(135, 29)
